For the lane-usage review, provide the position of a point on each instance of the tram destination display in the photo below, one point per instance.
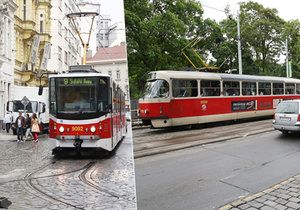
(242, 105)
(78, 81)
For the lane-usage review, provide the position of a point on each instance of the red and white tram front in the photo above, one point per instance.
(80, 105)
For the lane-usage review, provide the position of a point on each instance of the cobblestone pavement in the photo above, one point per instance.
(31, 178)
(285, 195)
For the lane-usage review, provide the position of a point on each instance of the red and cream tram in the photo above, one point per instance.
(175, 98)
(87, 110)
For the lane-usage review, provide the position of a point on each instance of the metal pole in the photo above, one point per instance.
(239, 43)
(287, 58)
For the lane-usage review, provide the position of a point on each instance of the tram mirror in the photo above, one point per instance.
(9, 106)
(44, 108)
(40, 90)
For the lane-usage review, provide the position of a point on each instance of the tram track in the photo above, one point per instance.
(42, 194)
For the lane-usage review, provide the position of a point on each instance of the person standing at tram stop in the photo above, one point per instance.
(35, 127)
(8, 121)
(20, 124)
(28, 127)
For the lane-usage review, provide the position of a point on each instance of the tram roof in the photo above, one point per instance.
(80, 74)
(220, 76)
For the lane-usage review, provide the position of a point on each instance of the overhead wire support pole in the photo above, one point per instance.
(239, 43)
(287, 58)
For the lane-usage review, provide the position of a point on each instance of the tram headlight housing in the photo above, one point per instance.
(61, 129)
(93, 129)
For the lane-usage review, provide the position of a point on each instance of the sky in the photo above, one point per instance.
(287, 9)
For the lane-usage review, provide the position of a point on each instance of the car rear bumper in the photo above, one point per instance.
(286, 127)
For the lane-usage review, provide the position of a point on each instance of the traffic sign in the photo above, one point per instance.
(25, 101)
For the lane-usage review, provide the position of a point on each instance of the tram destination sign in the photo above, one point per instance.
(243, 105)
(78, 81)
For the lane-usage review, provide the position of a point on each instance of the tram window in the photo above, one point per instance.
(231, 88)
(210, 88)
(249, 88)
(52, 97)
(289, 88)
(297, 88)
(264, 88)
(185, 88)
(277, 88)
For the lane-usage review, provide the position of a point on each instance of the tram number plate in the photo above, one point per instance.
(77, 128)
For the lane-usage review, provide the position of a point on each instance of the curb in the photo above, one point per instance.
(170, 148)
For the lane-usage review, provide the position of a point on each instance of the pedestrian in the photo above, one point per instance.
(8, 121)
(35, 127)
(20, 124)
(28, 127)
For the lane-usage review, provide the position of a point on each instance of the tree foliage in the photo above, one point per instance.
(157, 30)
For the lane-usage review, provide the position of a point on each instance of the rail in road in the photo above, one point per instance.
(149, 141)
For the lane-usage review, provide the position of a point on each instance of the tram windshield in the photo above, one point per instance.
(76, 96)
(30, 108)
(157, 89)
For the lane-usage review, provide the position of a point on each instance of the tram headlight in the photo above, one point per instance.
(93, 129)
(61, 129)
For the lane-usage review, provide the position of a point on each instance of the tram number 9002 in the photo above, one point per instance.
(77, 128)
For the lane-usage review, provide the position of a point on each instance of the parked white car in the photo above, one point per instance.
(287, 116)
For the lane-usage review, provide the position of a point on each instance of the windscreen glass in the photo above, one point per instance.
(157, 89)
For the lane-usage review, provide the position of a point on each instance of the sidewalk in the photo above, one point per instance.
(285, 195)
(7, 136)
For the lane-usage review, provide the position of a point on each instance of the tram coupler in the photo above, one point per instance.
(77, 143)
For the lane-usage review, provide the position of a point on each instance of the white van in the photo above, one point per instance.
(287, 116)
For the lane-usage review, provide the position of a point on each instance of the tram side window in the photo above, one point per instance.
(289, 88)
(210, 88)
(185, 88)
(264, 88)
(277, 88)
(231, 88)
(297, 88)
(249, 88)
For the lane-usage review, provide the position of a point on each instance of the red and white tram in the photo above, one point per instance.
(87, 110)
(176, 98)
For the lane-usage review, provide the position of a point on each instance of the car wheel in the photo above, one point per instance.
(285, 132)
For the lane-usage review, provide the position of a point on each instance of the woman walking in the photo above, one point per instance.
(35, 128)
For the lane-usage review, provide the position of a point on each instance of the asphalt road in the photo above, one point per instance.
(210, 176)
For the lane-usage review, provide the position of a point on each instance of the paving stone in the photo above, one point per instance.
(270, 203)
(293, 194)
(244, 206)
(252, 208)
(294, 199)
(281, 201)
(267, 208)
(280, 207)
(293, 205)
(292, 189)
(255, 204)
(284, 196)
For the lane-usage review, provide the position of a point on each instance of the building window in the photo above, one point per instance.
(248, 88)
(106, 24)
(231, 88)
(66, 57)
(101, 36)
(59, 53)
(185, 88)
(24, 10)
(118, 75)
(41, 26)
(109, 73)
(264, 88)
(106, 36)
(59, 27)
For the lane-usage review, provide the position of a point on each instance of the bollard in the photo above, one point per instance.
(4, 202)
